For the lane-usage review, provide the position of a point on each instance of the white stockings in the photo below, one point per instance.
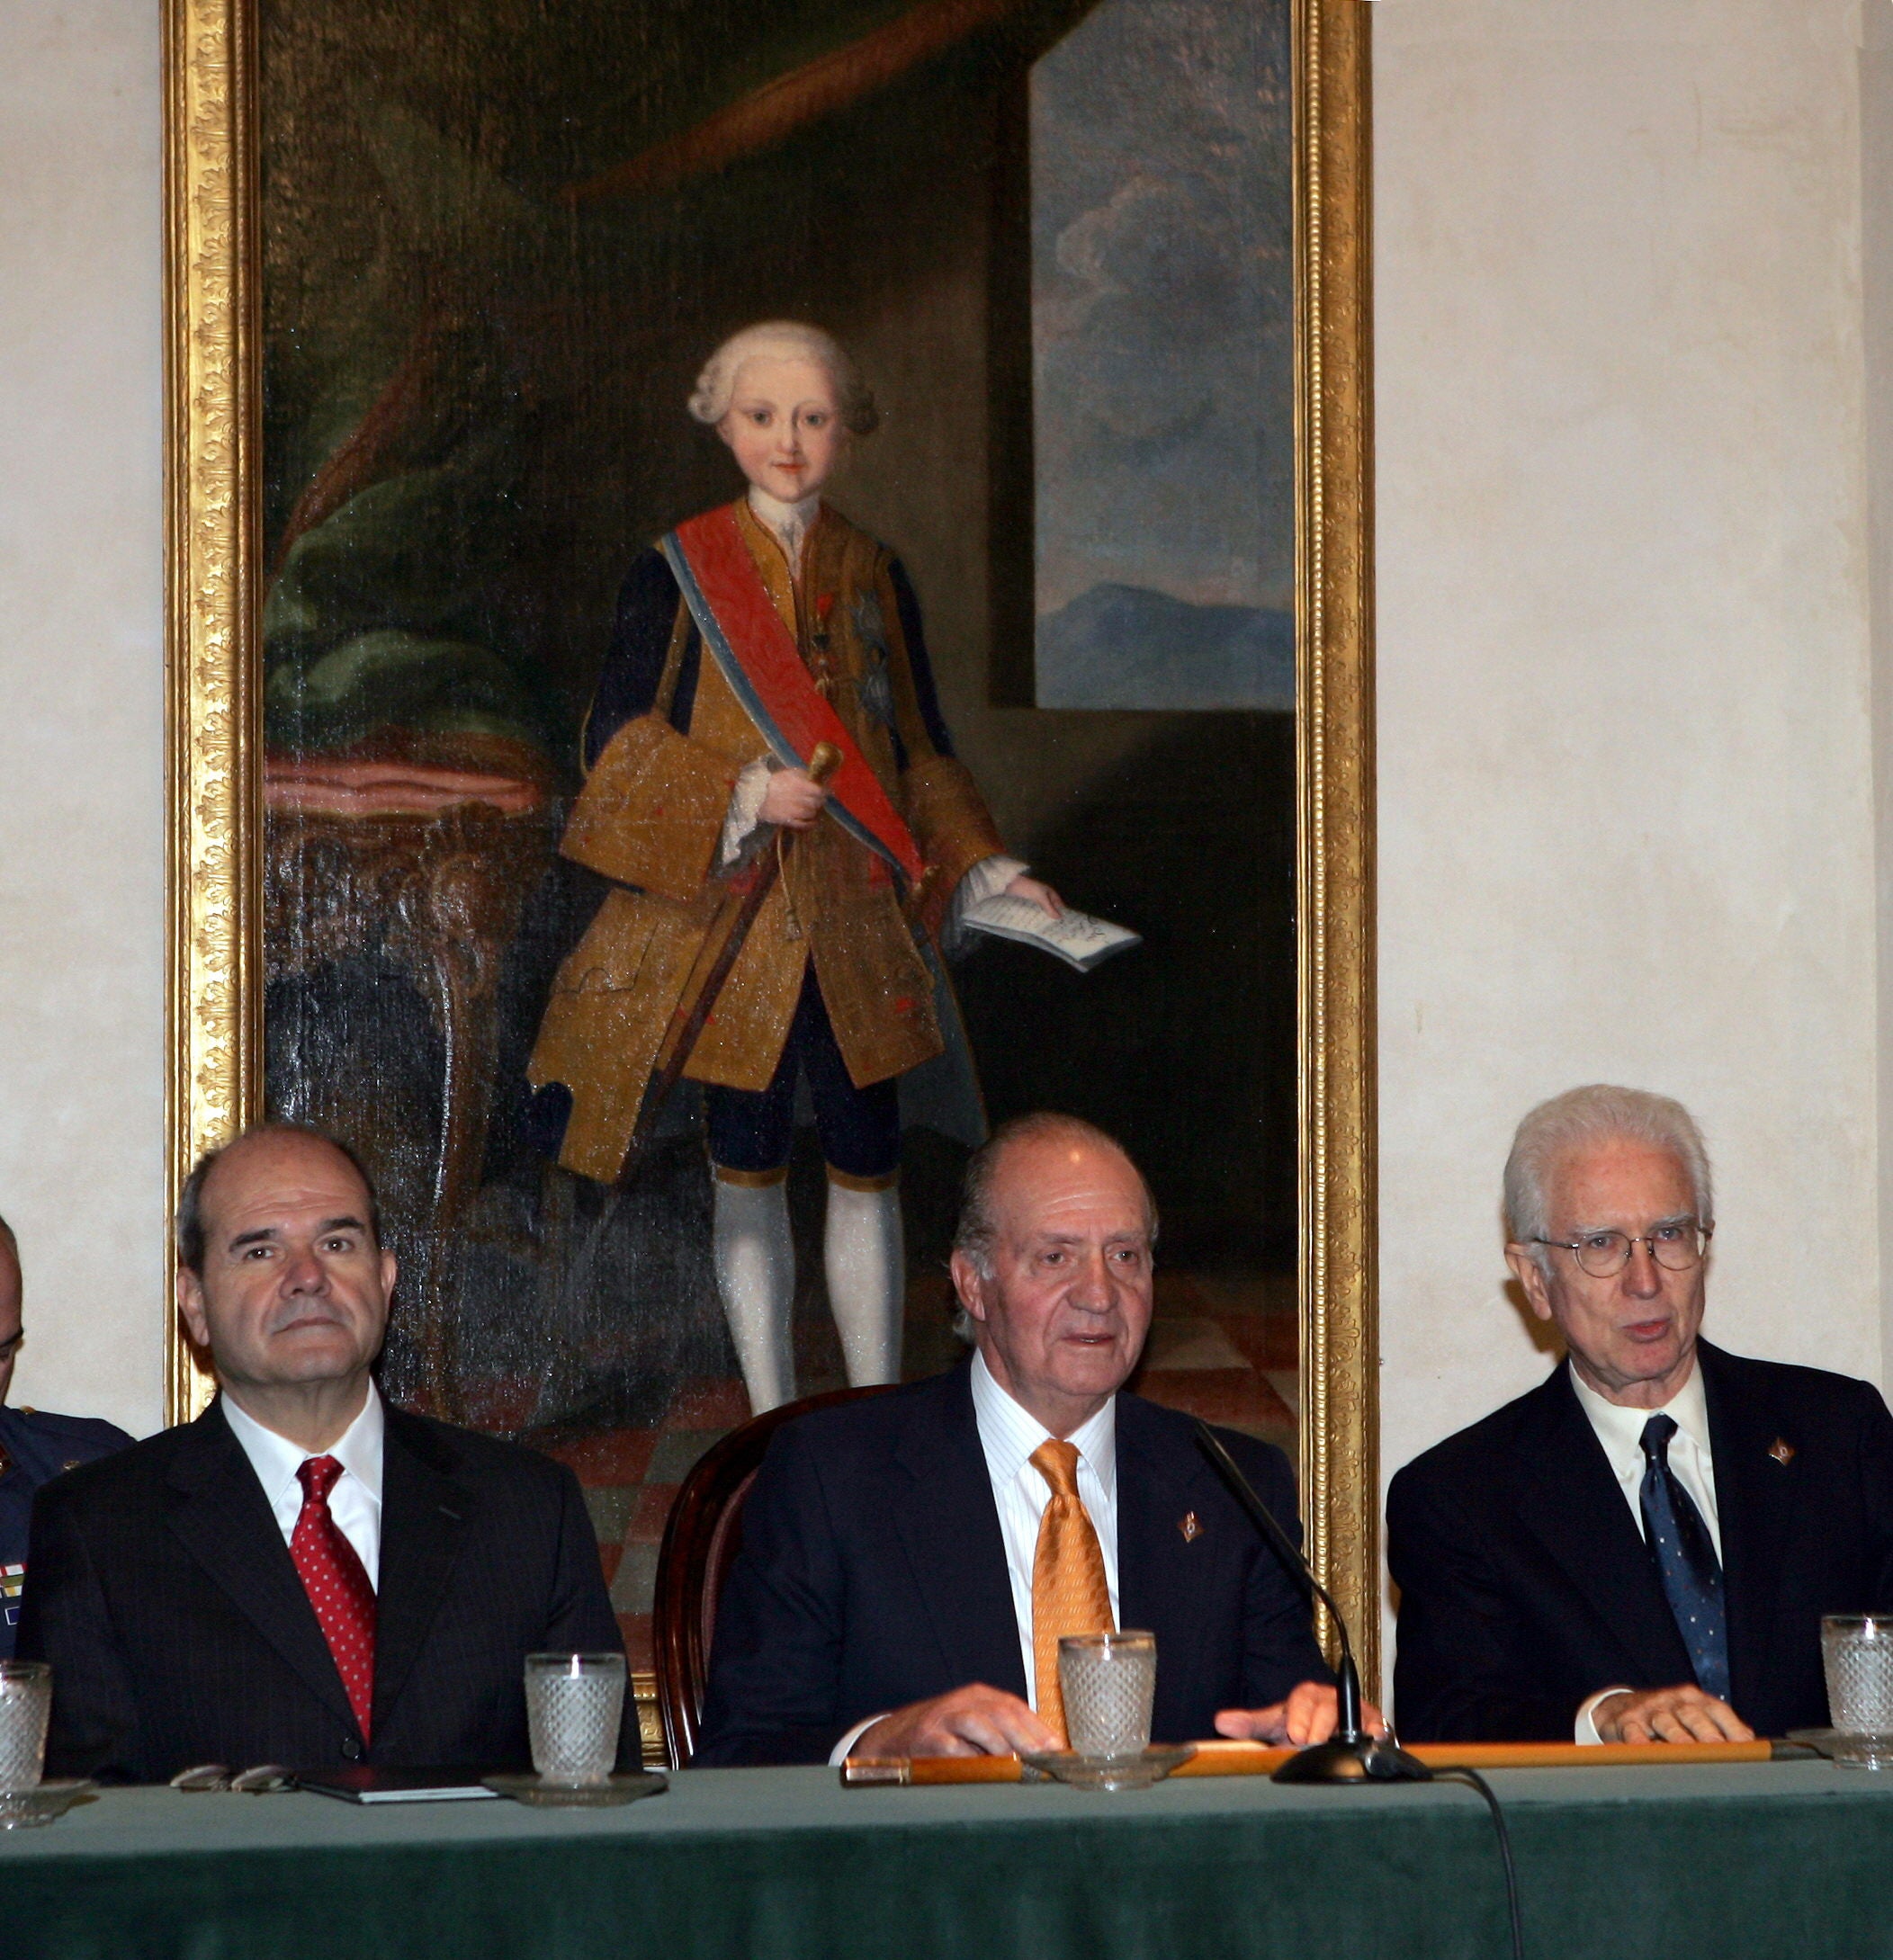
(756, 1275)
(864, 1259)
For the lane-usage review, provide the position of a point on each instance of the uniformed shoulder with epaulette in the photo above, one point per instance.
(36, 1448)
(44, 1444)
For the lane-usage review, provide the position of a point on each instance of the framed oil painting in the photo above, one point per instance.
(575, 416)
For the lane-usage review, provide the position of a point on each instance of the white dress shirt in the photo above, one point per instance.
(1620, 1431)
(355, 1500)
(1009, 1435)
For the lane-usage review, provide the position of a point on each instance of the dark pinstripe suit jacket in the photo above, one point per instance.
(159, 1588)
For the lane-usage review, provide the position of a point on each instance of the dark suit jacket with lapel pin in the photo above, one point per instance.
(872, 1574)
(1526, 1587)
(160, 1589)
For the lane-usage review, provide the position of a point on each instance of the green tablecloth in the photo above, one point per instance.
(1677, 1864)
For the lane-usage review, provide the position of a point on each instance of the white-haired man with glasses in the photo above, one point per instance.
(1641, 1549)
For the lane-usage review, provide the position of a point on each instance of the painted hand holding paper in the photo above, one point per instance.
(1076, 937)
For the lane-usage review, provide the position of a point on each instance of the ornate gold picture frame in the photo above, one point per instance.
(215, 588)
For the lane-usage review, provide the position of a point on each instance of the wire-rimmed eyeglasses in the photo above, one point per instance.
(1677, 1245)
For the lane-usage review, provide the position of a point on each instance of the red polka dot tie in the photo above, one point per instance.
(337, 1585)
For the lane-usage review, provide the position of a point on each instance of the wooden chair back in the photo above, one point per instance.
(701, 1537)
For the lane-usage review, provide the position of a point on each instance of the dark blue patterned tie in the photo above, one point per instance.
(1686, 1556)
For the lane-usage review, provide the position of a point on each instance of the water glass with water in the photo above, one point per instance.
(1108, 1682)
(573, 1706)
(1857, 1654)
(25, 1708)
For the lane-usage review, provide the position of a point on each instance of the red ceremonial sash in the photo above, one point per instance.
(757, 656)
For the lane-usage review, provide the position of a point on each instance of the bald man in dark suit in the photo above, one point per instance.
(303, 1575)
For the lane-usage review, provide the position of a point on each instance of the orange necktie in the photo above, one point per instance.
(1069, 1593)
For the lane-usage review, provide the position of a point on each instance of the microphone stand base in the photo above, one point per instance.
(1362, 1760)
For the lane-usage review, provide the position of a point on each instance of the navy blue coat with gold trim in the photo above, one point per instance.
(36, 1448)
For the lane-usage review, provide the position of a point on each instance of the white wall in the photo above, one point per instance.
(1877, 310)
(81, 700)
(1626, 761)
(1626, 775)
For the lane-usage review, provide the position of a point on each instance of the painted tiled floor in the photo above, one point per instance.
(1221, 1347)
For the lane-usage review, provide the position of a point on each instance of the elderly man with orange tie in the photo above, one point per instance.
(910, 1561)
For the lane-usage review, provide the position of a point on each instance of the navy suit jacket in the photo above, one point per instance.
(159, 1586)
(34, 1448)
(872, 1574)
(1525, 1585)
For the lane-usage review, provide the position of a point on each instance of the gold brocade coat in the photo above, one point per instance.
(650, 819)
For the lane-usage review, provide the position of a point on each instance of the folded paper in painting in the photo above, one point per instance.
(1076, 937)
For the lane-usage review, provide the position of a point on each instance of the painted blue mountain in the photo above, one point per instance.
(1128, 646)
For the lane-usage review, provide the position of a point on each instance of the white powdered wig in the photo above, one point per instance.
(785, 340)
(1595, 1114)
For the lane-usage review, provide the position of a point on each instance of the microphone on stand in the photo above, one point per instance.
(1350, 1755)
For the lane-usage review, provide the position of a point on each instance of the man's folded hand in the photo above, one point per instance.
(1669, 1714)
(973, 1721)
(1308, 1715)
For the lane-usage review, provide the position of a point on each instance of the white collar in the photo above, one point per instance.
(1621, 1430)
(276, 1460)
(784, 521)
(1009, 1433)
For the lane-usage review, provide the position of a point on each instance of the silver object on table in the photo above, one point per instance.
(215, 1778)
(202, 1776)
(265, 1780)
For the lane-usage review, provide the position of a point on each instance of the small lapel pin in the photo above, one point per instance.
(1189, 1527)
(1781, 1450)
